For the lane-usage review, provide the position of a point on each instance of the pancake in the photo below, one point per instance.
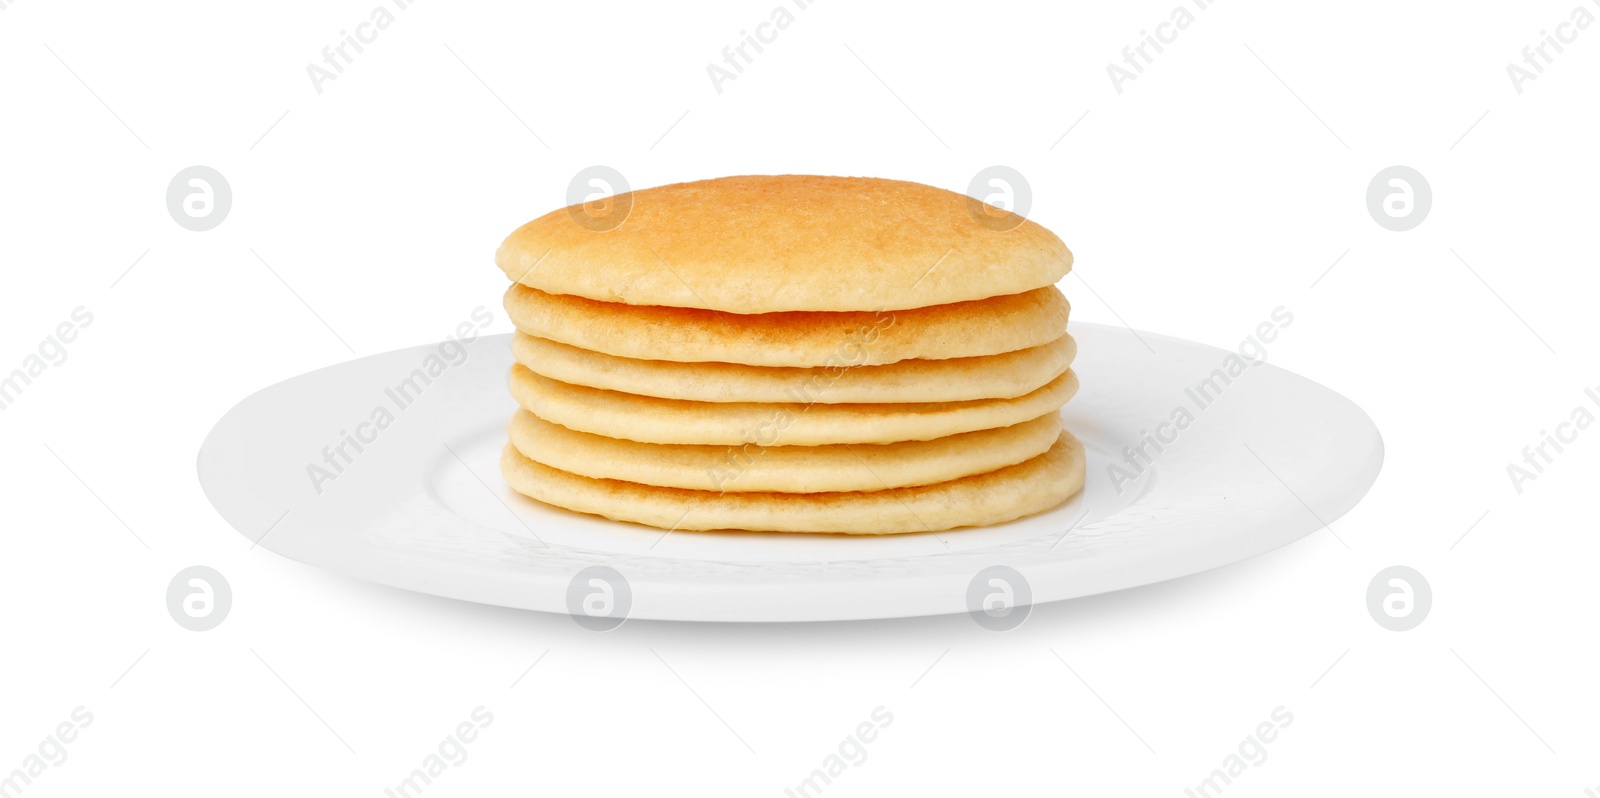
(766, 243)
(962, 379)
(980, 327)
(1032, 486)
(861, 467)
(648, 419)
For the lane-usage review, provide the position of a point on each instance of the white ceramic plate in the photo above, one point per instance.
(1268, 458)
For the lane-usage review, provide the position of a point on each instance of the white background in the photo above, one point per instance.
(1198, 199)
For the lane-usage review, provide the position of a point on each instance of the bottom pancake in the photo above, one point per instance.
(1006, 494)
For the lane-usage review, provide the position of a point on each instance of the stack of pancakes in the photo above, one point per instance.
(791, 353)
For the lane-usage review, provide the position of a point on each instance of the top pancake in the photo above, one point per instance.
(762, 244)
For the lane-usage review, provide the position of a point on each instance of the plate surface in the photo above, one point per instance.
(386, 469)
